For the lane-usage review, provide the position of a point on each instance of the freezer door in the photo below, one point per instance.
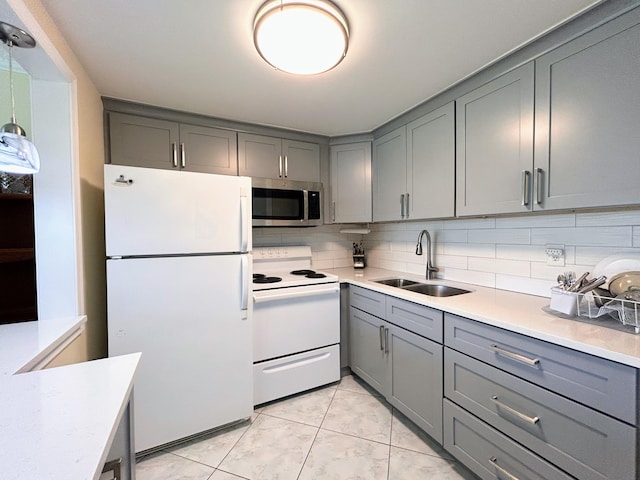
(157, 212)
(185, 315)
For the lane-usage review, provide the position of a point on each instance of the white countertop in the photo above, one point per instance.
(24, 345)
(513, 311)
(57, 423)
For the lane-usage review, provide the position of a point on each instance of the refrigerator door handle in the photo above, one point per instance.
(244, 225)
(245, 282)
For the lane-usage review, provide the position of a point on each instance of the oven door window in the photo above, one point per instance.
(270, 204)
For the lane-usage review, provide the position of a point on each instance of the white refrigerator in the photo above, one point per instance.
(178, 281)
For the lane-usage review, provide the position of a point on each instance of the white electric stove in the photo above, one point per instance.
(296, 323)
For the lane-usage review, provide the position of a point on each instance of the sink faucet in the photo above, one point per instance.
(430, 268)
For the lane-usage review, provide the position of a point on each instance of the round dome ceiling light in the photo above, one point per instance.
(303, 37)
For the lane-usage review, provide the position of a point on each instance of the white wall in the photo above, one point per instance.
(504, 252)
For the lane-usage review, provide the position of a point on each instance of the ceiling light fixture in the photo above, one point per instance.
(303, 37)
(17, 153)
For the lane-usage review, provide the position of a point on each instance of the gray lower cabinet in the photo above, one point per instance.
(490, 454)
(575, 411)
(403, 366)
(153, 143)
(587, 118)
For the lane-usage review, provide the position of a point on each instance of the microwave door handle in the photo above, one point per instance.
(306, 207)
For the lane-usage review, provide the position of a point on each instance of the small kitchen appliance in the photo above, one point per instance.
(296, 315)
(286, 203)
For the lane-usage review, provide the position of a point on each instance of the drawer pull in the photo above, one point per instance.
(512, 411)
(502, 471)
(515, 356)
(382, 338)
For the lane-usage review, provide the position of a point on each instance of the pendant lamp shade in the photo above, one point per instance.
(17, 153)
(303, 37)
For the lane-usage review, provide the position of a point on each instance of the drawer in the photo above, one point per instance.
(490, 454)
(602, 384)
(367, 300)
(296, 373)
(580, 441)
(421, 320)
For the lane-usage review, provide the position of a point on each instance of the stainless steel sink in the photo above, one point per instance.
(397, 282)
(436, 290)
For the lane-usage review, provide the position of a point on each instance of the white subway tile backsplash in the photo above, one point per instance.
(507, 267)
(584, 236)
(520, 236)
(504, 252)
(532, 286)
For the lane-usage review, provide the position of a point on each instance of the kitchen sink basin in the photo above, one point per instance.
(436, 290)
(397, 282)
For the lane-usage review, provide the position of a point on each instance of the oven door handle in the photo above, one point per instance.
(282, 294)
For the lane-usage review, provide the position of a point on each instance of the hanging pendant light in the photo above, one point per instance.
(17, 153)
(303, 37)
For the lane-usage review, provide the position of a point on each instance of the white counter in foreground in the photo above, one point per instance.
(513, 311)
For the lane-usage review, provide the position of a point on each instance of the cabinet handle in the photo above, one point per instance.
(382, 338)
(280, 166)
(183, 157)
(114, 466)
(386, 340)
(525, 187)
(502, 471)
(406, 207)
(333, 215)
(539, 186)
(402, 205)
(514, 412)
(532, 362)
(174, 158)
(286, 166)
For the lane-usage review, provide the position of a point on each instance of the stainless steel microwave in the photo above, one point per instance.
(286, 203)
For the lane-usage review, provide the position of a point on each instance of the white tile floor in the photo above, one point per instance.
(343, 431)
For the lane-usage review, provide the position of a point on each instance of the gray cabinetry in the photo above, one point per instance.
(576, 411)
(413, 169)
(494, 145)
(269, 157)
(399, 363)
(351, 182)
(587, 118)
(431, 164)
(153, 143)
(390, 176)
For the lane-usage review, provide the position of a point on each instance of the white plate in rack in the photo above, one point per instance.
(615, 265)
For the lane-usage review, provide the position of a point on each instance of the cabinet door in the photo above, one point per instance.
(143, 142)
(494, 145)
(301, 161)
(415, 384)
(351, 182)
(587, 118)
(390, 175)
(369, 359)
(431, 164)
(259, 156)
(208, 150)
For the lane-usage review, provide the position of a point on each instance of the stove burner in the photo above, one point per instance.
(264, 279)
(315, 275)
(302, 272)
(258, 275)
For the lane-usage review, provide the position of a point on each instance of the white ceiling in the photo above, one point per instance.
(198, 55)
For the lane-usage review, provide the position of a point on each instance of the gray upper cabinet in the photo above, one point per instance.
(351, 182)
(390, 176)
(587, 119)
(270, 157)
(431, 164)
(153, 143)
(494, 145)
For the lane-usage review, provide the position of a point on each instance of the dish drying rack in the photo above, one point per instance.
(573, 304)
